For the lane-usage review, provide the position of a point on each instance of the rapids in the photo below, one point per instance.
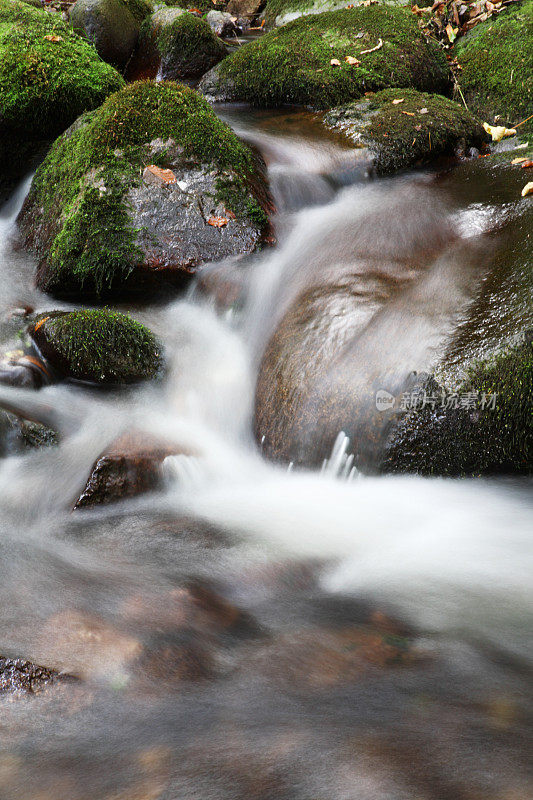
(305, 553)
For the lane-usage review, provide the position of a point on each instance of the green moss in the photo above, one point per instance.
(292, 64)
(185, 43)
(98, 345)
(139, 9)
(82, 183)
(423, 126)
(45, 83)
(476, 440)
(497, 66)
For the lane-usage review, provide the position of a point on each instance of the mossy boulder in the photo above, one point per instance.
(496, 61)
(402, 127)
(98, 346)
(48, 77)
(280, 12)
(483, 425)
(111, 25)
(181, 44)
(140, 193)
(292, 65)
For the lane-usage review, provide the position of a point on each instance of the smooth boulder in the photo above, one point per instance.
(111, 25)
(403, 128)
(324, 60)
(97, 346)
(136, 196)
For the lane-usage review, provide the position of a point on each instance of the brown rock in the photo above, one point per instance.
(18, 676)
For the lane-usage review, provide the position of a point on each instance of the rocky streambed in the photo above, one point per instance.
(266, 379)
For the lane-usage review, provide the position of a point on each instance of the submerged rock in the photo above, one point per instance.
(181, 44)
(111, 25)
(402, 127)
(98, 346)
(100, 229)
(326, 59)
(48, 76)
(496, 61)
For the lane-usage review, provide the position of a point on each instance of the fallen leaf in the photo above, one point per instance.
(527, 164)
(423, 111)
(451, 33)
(372, 49)
(53, 37)
(218, 222)
(165, 176)
(498, 132)
(41, 322)
(528, 189)
(408, 113)
(335, 62)
(352, 60)
(519, 160)
(368, 2)
(398, 101)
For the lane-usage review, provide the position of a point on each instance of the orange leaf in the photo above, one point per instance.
(165, 175)
(527, 164)
(352, 60)
(52, 37)
(41, 322)
(408, 113)
(218, 222)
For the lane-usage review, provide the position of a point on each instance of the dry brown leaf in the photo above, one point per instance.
(398, 101)
(335, 62)
(528, 189)
(53, 37)
(218, 222)
(527, 164)
(451, 33)
(519, 160)
(408, 113)
(165, 175)
(423, 111)
(372, 49)
(41, 322)
(353, 61)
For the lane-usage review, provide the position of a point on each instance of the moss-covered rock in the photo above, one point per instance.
(280, 12)
(182, 44)
(97, 345)
(111, 25)
(483, 425)
(496, 61)
(100, 227)
(402, 127)
(48, 76)
(293, 64)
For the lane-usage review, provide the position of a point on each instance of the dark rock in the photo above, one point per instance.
(129, 467)
(101, 230)
(245, 8)
(403, 128)
(22, 677)
(24, 370)
(222, 23)
(178, 44)
(97, 346)
(111, 25)
(293, 64)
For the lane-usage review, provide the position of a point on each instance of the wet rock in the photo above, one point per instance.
(328, 354)
(22, 677)
(294, 64)
(24, 370)
(71, 79)
(97, 346)
(245, 8)
(496, 64)
(179, 44)
(222, 23)
(403, 128)
(129, 467)
(111, 25)
(480, 426)
(100, 230)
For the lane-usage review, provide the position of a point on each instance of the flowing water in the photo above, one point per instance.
(374, 637)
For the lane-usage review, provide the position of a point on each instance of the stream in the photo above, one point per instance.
(372, 635)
